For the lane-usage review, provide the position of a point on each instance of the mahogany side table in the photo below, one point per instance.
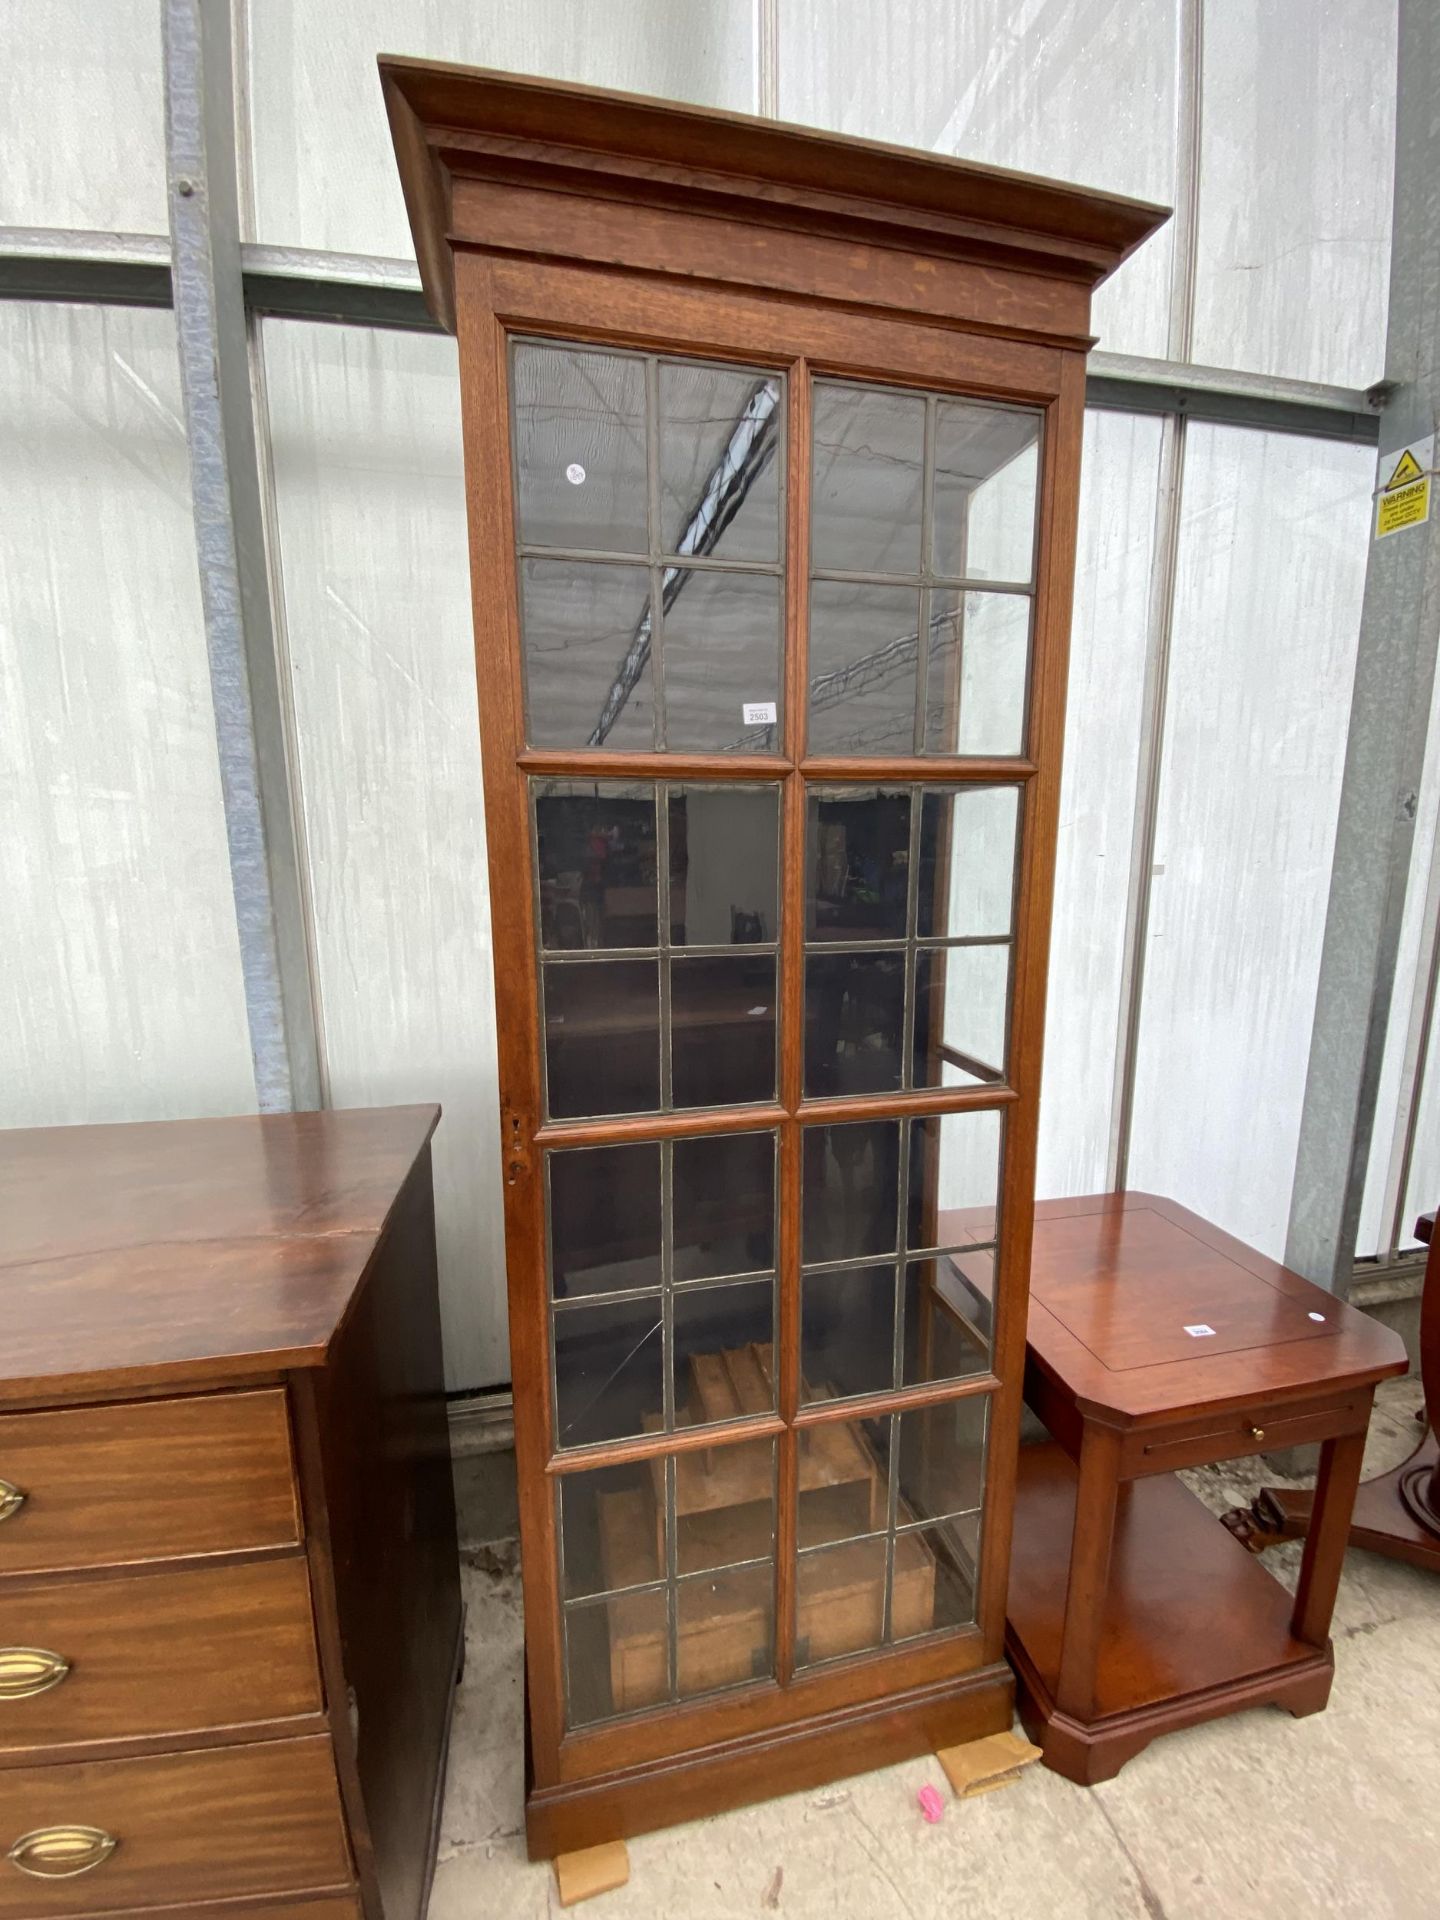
(1156, 1342)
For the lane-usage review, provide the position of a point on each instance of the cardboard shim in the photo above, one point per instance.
(980, 1766)
(580, 1876)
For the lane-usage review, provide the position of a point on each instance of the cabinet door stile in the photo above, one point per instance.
(486, 420)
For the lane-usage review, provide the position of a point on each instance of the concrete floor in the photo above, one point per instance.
(1255, 1815)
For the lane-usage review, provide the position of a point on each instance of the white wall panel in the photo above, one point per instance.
(1271, 570)
(371, 517)
(1097, 799)
(120, 993)
(1296, 180)
(1080, 89)
(82, 115)
(323, 165)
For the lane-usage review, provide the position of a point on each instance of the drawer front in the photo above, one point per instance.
(1233, 1434)
(146, 1480)
(318, 1906)
(179, 1651)
(186, 1828)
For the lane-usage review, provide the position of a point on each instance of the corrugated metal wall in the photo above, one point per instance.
(123, 993)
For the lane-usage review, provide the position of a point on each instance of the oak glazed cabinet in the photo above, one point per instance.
(772, 445)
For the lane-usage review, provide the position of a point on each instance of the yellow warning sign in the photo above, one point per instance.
(1407, 467)
(1403, 497)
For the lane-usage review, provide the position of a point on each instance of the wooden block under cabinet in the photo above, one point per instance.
(230, 1620)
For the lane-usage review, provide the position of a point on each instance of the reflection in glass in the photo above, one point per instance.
(942, 1339)
(604, 1218)
(840, 1600)
(724, 1205)
(842, 1588)
(722, 1025)
(614, 1547)
(961, 1001)
(602, 1037)
(722, 653)
(843, 1480)
(857, 864)
(724, 1505)
(942, 1459)
(954, 1180)
(854, 1014)
(850, 1190)
(607, 1370)
(868, 479)
(847, 1327)
(586, 631)
(970, 1281)
(725, 1624)
(724, 1344)
(724, 865)
(864, 645)
(933, 1582)
(612, 1527)
(986, 461)
(617, 1656)
(595, 844)
(966, 879)
(720, 431)
(580, 448)
(978, 668)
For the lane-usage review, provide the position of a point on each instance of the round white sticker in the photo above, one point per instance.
(575, 474)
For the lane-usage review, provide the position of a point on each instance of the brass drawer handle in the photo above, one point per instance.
(26, 1671)
(59, 1853)
(1256, 1433)
(11, 1500)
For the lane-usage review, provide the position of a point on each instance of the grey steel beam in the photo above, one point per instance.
(1389, 717)
(363, 290)
(294, 283)
(1132, 385)
(246, 683)
(1161, 610)
(118, 269)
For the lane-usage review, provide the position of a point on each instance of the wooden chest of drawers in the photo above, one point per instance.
(230, 1621)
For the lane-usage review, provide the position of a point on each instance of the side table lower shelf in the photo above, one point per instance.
(1194, 1626)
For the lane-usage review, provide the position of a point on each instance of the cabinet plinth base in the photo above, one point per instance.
(1193, 1627)
(810, 1753)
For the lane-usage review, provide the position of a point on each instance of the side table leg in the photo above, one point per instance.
(1089, 1579)
(1339, 1477)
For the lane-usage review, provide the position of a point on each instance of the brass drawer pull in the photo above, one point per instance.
(1256, 1433)
(59, 1853)
(11, 1500)
(26, 1671)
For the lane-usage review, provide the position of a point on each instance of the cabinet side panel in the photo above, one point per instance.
(390, 1508)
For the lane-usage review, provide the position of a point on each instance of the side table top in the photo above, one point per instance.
(1140, 1308)
(144, 1254)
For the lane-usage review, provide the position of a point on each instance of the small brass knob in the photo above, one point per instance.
(11, 1500)
(60, 1853)
(1257, 1433)
(26, 1671)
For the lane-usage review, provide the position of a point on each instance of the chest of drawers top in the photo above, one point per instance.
(181, 1254)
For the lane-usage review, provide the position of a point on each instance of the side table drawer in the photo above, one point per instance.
(145, 1480)
(1231, 1434)
(174, 1652)
(173, 1831)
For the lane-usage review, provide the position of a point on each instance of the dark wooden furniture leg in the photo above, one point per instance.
(1096, 1497)
(1398, 1514)
(1329, 1534)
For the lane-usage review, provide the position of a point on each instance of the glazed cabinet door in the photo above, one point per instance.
(772, 638)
